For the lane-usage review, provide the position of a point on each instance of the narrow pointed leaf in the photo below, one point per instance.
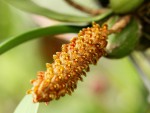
(52, 30)
(29, 6)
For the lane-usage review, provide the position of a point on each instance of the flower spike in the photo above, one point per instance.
(70, 64)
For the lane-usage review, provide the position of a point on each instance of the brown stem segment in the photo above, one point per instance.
(85, 9)
(118, 26)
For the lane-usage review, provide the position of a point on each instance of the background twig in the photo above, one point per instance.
(85, 9)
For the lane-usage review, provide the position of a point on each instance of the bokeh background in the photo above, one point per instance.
(113, 86)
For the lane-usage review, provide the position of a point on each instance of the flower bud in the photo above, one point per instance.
(124, 6)
(123, 43)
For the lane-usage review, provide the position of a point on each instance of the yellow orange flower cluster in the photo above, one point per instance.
(70, 64)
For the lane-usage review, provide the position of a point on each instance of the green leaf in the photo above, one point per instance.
(123, 43)
(52, 30)
(29, 6)
(27, 106)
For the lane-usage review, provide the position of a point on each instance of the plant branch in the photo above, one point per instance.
(85, 9)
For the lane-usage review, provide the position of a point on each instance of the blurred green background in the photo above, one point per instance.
(113, 86)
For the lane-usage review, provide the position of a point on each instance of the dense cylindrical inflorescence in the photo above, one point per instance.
(70, 64)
